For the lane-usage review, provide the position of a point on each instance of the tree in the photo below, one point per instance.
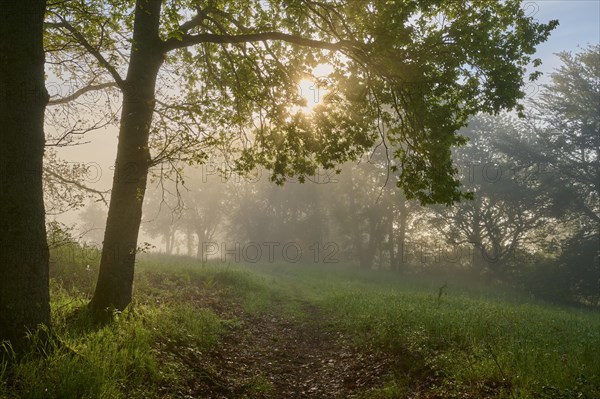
(565, 145)
(65, 185)
(395, 63)
(205, 207)
(93, 217)
(509, 204)
(195, 207)
(567, 120)
(292, 217)
(163, 215)
(24, 291)
(360, 210)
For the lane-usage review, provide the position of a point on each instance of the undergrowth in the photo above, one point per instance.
(458, 341)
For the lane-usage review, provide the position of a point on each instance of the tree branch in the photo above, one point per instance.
(192, 23)
(190, 40)
(93, 51)
(81, 92)
(79, 185)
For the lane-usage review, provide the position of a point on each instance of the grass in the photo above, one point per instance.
(464, 340)
(525, 349)
(136, 356)
(468, 341)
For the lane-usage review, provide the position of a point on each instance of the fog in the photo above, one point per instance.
(300, 199)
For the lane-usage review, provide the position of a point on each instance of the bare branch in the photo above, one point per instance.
(81, 92)
(81, 186)
(93, 51)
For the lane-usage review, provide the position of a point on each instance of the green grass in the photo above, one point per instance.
(134, 356)
(472, 341)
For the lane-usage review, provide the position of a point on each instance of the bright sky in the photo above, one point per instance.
(579, 27)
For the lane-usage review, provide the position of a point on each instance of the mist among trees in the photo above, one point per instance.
(308, 199)
(533, 222)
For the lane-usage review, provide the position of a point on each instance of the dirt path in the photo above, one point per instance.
(269, 356)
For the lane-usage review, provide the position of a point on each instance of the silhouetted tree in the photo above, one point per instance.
(24, 292)
(565, 144)
(508, 205)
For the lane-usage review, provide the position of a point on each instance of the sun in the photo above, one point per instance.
(310, 91)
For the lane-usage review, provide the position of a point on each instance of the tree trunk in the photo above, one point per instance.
(368, 256)
(376, 233)
(115, 280)
(201, 242)
(24, 292)
(199, 250)
(169, 240)
(190, 244)
(402, 250)
(391, 236)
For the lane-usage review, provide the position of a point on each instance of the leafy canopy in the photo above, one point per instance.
(406, 74)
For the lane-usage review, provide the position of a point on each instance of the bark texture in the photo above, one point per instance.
(24, 292)
(115, 281)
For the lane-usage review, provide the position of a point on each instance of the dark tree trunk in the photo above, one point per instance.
(391, 239)
(359, 248)
(24, 296)
(376, 233)
(364, 261)
(115, 280)
(201, 242)
(367, 257)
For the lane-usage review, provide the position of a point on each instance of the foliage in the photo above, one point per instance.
(93, 218)
(231, 70)
(415, 83)
(509, 211)
(560, 145)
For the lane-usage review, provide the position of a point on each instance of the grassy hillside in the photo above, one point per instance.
(460, 339)
(270, 331)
